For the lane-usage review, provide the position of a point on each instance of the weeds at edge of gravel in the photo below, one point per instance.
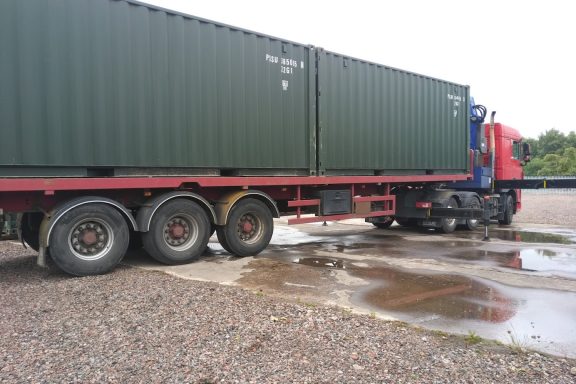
(516, 345)
(472, 338)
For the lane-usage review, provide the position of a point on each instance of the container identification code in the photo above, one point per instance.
(456, 100)
(287, 66)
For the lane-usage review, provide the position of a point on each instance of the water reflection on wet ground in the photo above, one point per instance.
(537, 318)
(451, 296)
(522, 236)
(454, 283)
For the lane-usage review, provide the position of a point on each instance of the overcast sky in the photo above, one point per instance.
(517, 56)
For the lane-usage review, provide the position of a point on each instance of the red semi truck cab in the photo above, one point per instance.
(509, 157)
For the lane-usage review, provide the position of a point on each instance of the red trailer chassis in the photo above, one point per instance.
(86, 224)
(18, 195)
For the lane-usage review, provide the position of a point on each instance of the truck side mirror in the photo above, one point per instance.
(526, 151)
(483, 146)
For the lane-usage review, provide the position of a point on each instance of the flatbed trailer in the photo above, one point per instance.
(87, 223)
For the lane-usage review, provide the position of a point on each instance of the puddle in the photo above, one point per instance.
(411, 295)
(539, 319)
(543, 260)
(522, 236)
(533, 318)
(320, 262)
(293, 267)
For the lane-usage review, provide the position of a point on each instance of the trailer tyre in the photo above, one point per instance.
(178, 233)
(508, 214)
(448, 224)
(89, 240)
(220, 232)
(249, 228)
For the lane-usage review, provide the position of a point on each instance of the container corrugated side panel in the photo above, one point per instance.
(108, 83)
(380, 120)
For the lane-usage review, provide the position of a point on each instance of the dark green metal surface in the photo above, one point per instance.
(112, 83)
(380, 120)
(115, 87)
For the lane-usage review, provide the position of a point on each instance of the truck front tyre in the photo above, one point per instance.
(178, 233)
(249, 228)
(89, 240)
(448, 224)
(472, 224)
(508, 214)
(384, 223)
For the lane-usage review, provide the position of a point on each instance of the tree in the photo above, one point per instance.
(571, 139)
(534, 166)
(558, 165)
(553, 154)
(552, 141)
(534, 148)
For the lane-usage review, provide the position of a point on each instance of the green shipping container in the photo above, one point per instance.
(378, 120)
(114, 87)
(117, 87)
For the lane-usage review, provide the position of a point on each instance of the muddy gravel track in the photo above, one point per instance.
(137, 326)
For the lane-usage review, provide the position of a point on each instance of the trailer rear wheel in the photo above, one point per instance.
(448, 224)
(179, 232)
(508, 214)
(89, 240)
(222, 239)
(249, 228)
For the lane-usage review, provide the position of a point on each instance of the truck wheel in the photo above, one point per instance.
(220, 233)
(249, 228)
(508, 214)
(448, 224)
(89, 240)
(385, 223)
(178, 233)
(30, 229)
(472, 224)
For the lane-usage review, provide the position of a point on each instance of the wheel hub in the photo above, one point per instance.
(89, 238)
(176, 231)
(247, 227)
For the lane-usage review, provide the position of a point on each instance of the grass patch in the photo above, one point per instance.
(472, 338)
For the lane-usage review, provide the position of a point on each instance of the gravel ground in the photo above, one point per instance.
(540, 208)
(138, 326)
